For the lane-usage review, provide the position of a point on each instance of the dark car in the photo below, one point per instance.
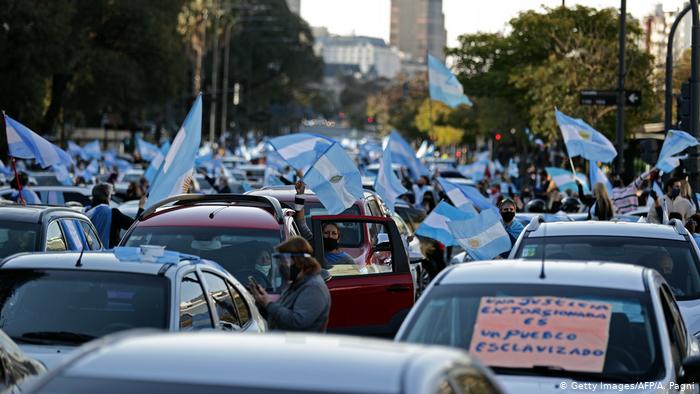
(36, 228)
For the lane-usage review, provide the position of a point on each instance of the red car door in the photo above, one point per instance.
(371, 293)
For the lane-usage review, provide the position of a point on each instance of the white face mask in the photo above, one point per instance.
(265, 269)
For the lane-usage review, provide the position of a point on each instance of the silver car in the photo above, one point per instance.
(54, 302)
(206, 363)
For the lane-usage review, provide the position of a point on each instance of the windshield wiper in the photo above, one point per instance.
(51, 337)
(548, 370)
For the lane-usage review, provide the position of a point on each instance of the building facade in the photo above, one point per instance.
(418, 27)
(372, 56)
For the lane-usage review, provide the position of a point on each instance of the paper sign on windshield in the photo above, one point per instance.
(522, 332)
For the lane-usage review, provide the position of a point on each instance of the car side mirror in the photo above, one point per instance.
(691, 370)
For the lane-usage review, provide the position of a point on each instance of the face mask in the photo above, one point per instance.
(675, 192)
(330, 244)
(265, 269)
(293, 272)
(507, 216)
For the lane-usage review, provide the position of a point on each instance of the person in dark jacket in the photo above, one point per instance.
(305, 305)
(109, 221)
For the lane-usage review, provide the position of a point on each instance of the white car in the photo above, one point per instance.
(667, 248)
(560, 326)
(212, 363)
(54, 302)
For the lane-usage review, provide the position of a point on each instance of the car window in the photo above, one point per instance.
(352, 234)
(76, 197)
(241, 305)
(90, 236)
(460, 316)
(194, 309)
(223, 303)
(674, 324)
(54, 237)
(674, 260)
(373, 257)
(235, 249)
(73, 233)
(17, 237)
(52, 197)
(47, 306)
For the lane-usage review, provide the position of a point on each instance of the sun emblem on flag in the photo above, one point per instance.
(474, 243)
(584, 134)
(336, 179)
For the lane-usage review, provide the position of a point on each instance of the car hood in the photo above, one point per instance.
(691, 314)
(49, 355)
(540, 384)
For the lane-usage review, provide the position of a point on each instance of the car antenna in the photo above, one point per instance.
(214, 212)
(80, 258)
(544, 235)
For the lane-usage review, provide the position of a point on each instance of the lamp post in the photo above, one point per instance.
(620, 127)
(668, 89)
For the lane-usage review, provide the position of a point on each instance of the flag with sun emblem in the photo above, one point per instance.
(335, 180)
(483, 236)
(583, 140)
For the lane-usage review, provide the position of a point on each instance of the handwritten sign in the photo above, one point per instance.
(522, 332)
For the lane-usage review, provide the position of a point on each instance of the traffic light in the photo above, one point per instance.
(498, 136)
(683, 107)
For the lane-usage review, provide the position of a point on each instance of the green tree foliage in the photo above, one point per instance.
(548, 57)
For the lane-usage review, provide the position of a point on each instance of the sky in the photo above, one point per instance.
(371, 17)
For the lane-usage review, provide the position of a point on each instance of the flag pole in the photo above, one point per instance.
(430, 99)
(14, 165)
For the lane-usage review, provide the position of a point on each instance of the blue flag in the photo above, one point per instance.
(26, 144)
(444, 86)
(583, 140)
(483, 237)
(156, 162)
(387, 185)
(62, 174)
(335, 180)
(466, 197)
(92, 150)
(435, 224)
(676, 142)
(565, 179)
(147, 151)
(74, 149)
(301, 150)
(178, 163)
(403, 154)
(597, 176)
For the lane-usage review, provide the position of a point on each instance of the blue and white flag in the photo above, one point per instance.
(370, 151)
(272, 177)
(26, 144)
(74, 149)
(301, 150)
(387, 184)
(565, 179)
(92, 150)
(425, 149)
(676, 142)
(274, 159)
(513, 171)
(147, 151)
(4, 170)
(483, 237)
(335, 180)
(583, 140)
(404, 155)
(444, 85)
(466, 197)
(178, 163)
(597, 176)
(153, 167)
(435, 224)
(62, 174)
(475, 171)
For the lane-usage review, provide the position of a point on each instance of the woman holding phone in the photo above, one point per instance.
(305, 305)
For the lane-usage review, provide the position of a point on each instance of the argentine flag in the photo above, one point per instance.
(74, 149)
(403, 154)
(597, 176)
(335, 180)
(444, 86)
(92, 150)
(179, 161)
(676, 142)
(147, 151)
(565, 179)
(301, 150)
(62, 174)
(583, 140)
(466, 197)
(387, 185)
(435, 224)
(483, 236)
(153, 167)
(26, 144)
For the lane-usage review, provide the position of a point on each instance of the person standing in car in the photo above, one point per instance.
(109, 221)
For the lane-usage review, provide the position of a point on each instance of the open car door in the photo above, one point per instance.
(372, 293)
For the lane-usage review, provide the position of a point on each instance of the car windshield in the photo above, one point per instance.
(16, 237)
(674, 260)
(238, 250)
(584, 333)
(71, 307)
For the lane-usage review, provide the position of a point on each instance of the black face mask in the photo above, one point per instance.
(293, 272)
(507, 216)
(675, 192)
(330, 244)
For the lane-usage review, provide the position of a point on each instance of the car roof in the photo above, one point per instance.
(607, 228)
(339, 364)
(568, 273)
(34, 213)
(286, 193)
(226, 215)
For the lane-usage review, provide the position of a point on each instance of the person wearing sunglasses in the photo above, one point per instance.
(305, 304)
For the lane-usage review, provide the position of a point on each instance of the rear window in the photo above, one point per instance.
(16, 237)
(236, 249)
(674, 260)
(73, 306)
